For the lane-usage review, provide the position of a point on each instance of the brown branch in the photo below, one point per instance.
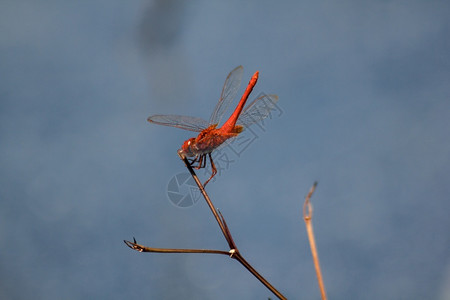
(307, 216)
(140, 248)
(250, 268)
(228, 233)
(208, 200)
(234, 252)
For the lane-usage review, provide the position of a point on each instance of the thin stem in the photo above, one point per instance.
(307, 216)
(228, 233)
(140, 248)
(234, 252)
(249, 267)
(208, 200)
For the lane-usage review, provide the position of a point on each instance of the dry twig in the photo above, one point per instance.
(307, 216)
(233, 252)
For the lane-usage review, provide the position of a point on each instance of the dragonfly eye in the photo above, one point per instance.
(186, 149)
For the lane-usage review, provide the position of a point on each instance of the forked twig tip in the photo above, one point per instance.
(307, 207)
(134, 245)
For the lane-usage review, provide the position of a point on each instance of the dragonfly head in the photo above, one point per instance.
(186, 148)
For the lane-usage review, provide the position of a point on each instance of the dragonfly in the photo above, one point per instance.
(210, 136)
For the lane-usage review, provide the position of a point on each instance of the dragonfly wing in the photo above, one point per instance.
(258, 110)
(183, 122)
(229, 91)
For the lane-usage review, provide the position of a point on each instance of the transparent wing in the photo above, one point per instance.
(257, 110)
(183, 122)
(229, 91)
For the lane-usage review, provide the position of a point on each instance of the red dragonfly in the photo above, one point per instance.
(210, 136)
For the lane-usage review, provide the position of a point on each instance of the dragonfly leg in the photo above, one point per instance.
(192, 161)
(203, 161)
(195, 162)
(213, 169)
(198, 162)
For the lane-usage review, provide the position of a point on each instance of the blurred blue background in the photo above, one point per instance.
(365, 98)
